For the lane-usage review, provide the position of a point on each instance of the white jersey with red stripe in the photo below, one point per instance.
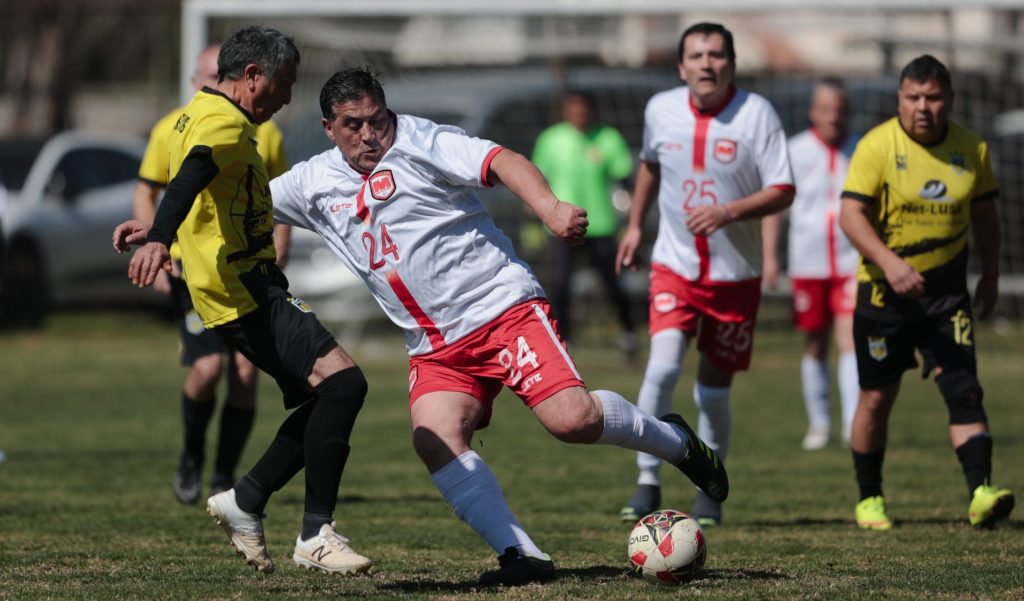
(818, 248)
(712, 157)
(414, 230)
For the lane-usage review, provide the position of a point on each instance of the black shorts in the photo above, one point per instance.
(940, 327)
(282, 337)
(196, 340)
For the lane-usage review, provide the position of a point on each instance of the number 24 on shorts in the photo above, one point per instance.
(523, 357)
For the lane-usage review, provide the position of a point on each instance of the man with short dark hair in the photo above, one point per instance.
(917, 183)
(714, 156)
(218, 205)
(395, 201)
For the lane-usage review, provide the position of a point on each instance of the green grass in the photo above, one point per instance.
(89, 421)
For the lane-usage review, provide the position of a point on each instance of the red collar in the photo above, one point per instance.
(706, 113)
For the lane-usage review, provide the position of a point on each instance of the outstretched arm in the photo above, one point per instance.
(566, 221)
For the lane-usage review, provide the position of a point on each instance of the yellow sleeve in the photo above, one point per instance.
(270, 145)
(867, 169)
(155, 168)
(986, 188)
(220, 133)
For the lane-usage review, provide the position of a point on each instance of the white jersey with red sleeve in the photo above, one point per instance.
(712, 157)
(414, 230)
(818, 248)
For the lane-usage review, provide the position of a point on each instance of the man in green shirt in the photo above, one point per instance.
(582, 160)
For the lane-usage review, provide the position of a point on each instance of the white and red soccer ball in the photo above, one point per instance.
(667, 547)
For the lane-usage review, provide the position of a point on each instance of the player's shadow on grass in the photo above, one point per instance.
(590, 575)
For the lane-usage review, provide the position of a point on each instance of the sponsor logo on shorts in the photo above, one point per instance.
(801, 301)
(529, 382)
(877, 348)
(382, 185)
(664, 302)
(725, 150)
(300, 304)
(194, 325)
(413, 374)
(877, 295)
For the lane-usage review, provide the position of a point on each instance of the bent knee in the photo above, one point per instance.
(577, 421)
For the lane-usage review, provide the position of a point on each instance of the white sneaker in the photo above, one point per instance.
(244, 529)
(816, 438)
(329, 552)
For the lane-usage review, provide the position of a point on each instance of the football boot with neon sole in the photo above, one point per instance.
(871, 514)
(989, 505)
(646, 499)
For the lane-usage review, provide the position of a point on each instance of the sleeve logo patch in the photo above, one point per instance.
(300, 304)
(382, 185)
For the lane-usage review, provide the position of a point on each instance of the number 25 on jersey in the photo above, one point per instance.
(697, 193)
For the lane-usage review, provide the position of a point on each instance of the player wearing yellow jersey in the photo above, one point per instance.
(202, 350)
(218, 205)
(915, 186)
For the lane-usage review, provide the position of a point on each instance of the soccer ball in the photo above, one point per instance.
(667, 547)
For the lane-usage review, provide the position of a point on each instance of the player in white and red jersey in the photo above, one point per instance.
(395, 201)
(715, 158)
(822, 262)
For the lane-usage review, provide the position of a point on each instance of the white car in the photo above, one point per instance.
(57, 221)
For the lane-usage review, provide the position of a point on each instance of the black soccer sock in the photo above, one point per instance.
(975, 457)
(235, 425)
(868, 467)
(196, 417)
(279, 463)
(312, 522)
(339, 398)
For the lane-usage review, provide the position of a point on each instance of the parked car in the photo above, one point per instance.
(61, 207)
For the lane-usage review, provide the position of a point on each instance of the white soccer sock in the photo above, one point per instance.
(668, 347)
(468, 485)
(714, 425)
(849, 387)
(626, 426)
(814, 375)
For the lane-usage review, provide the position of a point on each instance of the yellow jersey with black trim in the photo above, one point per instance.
(228, 232)
(921, 195)
(155, 171)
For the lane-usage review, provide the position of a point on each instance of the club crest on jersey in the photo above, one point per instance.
(382, 185)
(725, 150)
(664, 302)
(877, 348)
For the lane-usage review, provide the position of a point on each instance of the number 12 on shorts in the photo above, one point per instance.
(523, 357)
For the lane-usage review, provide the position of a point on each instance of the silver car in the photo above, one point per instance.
(57, 221)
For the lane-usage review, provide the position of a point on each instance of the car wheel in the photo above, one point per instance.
(24, 296)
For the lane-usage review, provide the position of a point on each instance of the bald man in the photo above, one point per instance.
(203, 352)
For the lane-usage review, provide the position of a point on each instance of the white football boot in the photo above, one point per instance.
(329, 552)
(244, 529)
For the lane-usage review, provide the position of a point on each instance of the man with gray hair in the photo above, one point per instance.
(228, 258)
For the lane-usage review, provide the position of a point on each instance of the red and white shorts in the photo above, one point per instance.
(818, 301)
(724, 312)
(521, 349)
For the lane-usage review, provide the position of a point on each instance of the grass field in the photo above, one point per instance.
(89, 422)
